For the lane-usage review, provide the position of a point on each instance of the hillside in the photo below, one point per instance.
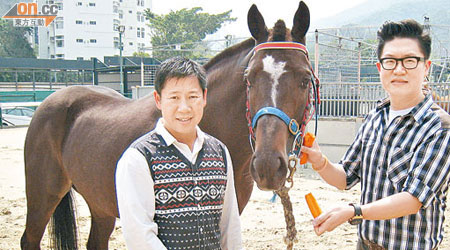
(374, 13)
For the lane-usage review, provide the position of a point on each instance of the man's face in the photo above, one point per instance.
(403, 84)
(181, 103)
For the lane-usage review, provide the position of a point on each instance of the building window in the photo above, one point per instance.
(142, 2)
(116, 44)
(80, 58)
(138, 14)
(79, 40)
(59, 23)
(130, 43)
(116, 24)
(93, 22)
(59, 56)
(130, 11)
(78, 22)
(142, 32)
(93, 41)
(79, 4)
(60, 6)
(92, 4)
(115, 9)
(120, 14)
(138, 32)
(59, 41)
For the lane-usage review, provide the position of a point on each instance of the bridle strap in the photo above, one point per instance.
(281, 45)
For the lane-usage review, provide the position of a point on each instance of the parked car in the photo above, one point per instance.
(18, 116)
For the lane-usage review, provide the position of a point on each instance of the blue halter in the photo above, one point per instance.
(292, 124)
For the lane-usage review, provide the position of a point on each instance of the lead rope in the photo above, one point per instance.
(291, 231)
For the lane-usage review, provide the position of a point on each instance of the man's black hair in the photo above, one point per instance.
(179, 67)
(408, 28)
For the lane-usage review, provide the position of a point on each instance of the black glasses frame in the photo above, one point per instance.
(401, 60)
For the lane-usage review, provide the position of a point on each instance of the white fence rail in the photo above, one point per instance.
(357, 99)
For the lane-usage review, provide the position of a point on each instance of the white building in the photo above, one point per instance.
(84, 29)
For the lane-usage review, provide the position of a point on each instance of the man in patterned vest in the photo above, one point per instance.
(175, 187)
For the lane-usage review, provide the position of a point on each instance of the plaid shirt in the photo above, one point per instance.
(411, 154)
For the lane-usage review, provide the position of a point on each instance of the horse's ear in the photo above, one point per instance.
(257, 25)
(301, 23)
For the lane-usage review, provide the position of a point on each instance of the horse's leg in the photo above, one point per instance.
(244, 185)
(45, 187)
(101, 228)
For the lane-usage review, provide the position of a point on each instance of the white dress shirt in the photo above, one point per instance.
(136, 197)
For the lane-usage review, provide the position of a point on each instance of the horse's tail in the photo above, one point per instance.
(63, 225)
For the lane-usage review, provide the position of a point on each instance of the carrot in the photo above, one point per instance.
(312, 204)
(308, 141)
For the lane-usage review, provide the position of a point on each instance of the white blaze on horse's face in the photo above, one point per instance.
(275, 69)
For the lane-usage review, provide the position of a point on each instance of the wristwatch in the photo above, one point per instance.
(357, 217)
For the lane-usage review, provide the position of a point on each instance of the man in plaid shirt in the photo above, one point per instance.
(401, 154)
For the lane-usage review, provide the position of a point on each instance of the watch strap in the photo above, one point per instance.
(357, 217)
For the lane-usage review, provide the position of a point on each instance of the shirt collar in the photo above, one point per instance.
(418, 112)
(169, 139)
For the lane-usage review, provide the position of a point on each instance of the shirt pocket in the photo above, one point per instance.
(399, 165)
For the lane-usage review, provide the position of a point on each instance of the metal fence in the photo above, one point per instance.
(357, 99)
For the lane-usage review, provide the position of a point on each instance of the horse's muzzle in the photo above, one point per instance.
(269, 170)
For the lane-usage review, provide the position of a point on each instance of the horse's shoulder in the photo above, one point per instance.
(443, 115)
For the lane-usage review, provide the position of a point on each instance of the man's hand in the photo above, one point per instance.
(314, 154)
(331, 219)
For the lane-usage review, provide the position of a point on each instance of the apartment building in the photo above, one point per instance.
(84, 29)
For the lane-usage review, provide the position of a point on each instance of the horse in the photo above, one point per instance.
(78, 134)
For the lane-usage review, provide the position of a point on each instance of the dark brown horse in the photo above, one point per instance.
(78, 134)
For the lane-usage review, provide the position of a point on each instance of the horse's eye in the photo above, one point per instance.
(305, 83)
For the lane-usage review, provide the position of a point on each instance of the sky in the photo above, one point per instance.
(272, 10)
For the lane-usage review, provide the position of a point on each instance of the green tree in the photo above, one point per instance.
(179, 32)
(141, 54)
(13, 41)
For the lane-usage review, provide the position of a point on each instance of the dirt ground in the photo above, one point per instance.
(263, 225)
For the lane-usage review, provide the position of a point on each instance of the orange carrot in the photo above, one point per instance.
(312, 204)
(308, 141)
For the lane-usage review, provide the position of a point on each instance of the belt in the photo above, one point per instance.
(368, 245)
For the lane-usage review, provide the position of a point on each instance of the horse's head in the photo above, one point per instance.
(279, 76)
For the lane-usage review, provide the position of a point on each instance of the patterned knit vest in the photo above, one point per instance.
(189, 197)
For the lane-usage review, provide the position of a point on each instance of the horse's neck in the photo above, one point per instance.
(234, 54)
(227, 68)
(226, 92)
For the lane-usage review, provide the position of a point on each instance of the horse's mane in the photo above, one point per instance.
(279, 31)
(249, 43)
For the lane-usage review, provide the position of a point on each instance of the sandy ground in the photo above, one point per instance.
(263, 225)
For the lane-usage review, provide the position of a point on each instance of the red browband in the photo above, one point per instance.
(281, 45)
